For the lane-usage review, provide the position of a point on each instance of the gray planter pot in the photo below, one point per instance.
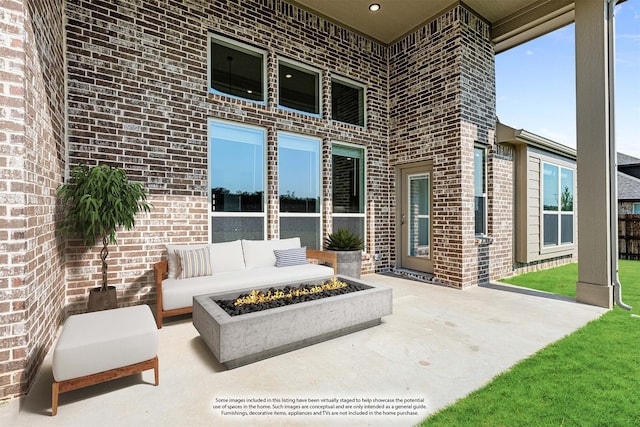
(349, 263)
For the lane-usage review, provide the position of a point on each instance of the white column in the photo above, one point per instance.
(593, 139)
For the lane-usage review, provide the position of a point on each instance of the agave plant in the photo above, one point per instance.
(343, 240)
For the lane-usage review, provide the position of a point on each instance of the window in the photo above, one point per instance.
(348, 188)
(418, 215)
(347, 101)
(299, 188)
(480, 189)
(298, 87)
(636, 208)
(557, 199)
(236, 69)
(236, 187)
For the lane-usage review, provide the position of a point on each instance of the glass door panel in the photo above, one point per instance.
(418, 216)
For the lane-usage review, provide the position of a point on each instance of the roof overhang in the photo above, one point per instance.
(512, 21)
(508, 135)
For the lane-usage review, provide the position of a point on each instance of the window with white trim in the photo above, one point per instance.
(347, 101)
(557, 201)
(348, 170)
(299, 188)
(480, 189)
(236, 69)
(236, 181)
(298, 87)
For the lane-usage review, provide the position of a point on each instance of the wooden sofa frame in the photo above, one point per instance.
(161, 269)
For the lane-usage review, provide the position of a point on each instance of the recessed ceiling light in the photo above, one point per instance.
(374, 7)
(288, 76)
(249, 91)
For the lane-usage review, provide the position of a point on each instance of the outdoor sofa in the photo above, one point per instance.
(241, 265)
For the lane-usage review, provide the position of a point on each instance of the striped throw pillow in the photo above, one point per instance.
(289, 257)
(194, 263)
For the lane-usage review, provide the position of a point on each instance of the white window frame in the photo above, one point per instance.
(349, 82)
(560, 246)
(306, 69)
(239, 46)
(364, 189)
(213, 214)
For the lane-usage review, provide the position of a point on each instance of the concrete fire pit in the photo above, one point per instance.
(247, 338)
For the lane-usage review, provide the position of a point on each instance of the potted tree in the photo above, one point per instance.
(97, 201)
(348, 247)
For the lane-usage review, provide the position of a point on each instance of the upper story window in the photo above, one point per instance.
(557, 199)
(636, 208)
(480, 189)
(347, 101)
(236, 69)
(298, 87)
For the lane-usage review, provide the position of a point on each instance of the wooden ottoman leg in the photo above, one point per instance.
(54, 398)
(156, 370)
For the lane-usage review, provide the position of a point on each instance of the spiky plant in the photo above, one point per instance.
(343, 240)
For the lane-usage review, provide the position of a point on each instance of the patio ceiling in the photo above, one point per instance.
(513, 21)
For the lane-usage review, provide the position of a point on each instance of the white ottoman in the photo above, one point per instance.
(102, 346)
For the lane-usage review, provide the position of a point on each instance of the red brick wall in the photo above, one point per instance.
(31, 167)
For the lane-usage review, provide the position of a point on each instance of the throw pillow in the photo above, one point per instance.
(194, 263)
(174, 265)
(289, 257)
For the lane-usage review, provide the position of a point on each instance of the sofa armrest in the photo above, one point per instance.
(324, 256)
(160, 272)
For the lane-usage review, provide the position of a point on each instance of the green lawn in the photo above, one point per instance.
(589, 378)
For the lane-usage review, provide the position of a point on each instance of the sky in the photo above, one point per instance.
(535, 83)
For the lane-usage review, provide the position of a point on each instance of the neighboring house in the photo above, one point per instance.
(261, 119)
(545, 202)
(628, 184)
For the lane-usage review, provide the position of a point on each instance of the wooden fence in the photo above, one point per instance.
(629, 236)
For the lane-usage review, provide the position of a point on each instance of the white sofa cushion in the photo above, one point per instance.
(103, 340)
(226, 256)
(179, 293)
(259, 253)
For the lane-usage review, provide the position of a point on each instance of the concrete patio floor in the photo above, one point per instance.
(437, 346)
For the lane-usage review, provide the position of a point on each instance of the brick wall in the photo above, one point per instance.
(442, 102)
(138, 99)
(501, 210)
(31, 166)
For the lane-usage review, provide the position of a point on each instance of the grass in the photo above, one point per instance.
(589, 378)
